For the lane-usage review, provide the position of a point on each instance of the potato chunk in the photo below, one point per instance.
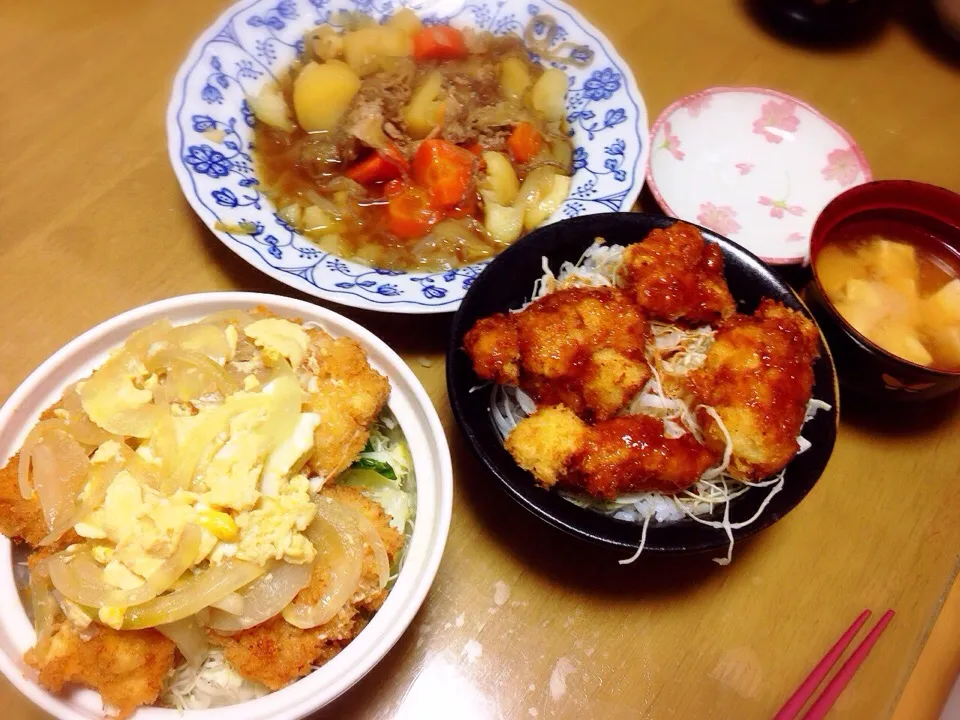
(364, 49)
(424, 111)
(501, 179)
(549, 94)
(269, 107)
(514, 78)
(322, 94)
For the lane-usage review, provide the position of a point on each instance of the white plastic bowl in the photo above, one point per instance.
(434, 480)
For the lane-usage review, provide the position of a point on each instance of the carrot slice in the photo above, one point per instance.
(409, 212)
(445, 170)
(524, 142)
(379, 166)
(439, 42)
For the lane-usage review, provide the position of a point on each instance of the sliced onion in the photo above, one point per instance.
(198, 592)
(195, 371)
(232, 603)
(79, 578)
(264, 598)
(203, 338)
(190, 639)
(26, 451)
(101, 398)
(43, 603)
(229, 317)
(93, 494)
(337, 538)
(60, 468)
(79, 423)
(375, 542)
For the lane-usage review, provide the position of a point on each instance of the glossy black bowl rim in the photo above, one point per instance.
(719, 539)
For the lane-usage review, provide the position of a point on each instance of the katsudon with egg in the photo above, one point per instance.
(214, 512)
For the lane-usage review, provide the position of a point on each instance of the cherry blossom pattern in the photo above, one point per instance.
(778, 115)
(697, 104)
(744, 168)
(843, 165)
(796, 237)
(719, 218)
(671, 143)
(779, 207)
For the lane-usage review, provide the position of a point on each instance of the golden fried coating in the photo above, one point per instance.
(632, 454)
(546, 442)
(676, 276)
(20, 520)
(349, 395)
(758, 376)
(494, 347)
(612, 457)
(276, 653)
(580, 347)
(127, 668)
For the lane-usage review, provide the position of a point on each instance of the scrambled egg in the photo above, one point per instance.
(279, 336)
(245, 495)
(273, 530)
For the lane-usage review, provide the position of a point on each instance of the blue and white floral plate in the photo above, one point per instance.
(255, 39)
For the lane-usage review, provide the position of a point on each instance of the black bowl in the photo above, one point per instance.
(507, 283)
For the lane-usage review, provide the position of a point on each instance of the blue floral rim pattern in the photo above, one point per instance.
(210, 131)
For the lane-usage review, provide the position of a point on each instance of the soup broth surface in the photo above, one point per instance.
(897, 287)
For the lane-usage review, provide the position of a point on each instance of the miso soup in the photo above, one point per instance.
(898, 288)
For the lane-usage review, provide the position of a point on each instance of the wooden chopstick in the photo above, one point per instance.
(791, 708)
(822, 705)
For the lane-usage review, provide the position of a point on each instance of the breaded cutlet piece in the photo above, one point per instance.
(545, 443)
(676, 276)
(126, 667)
(758, 376)
(348, 396)
(580, 347)
(275, 653)
(609, 458)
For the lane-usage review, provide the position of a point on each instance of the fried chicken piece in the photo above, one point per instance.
(127, 668)
(758, 376)
(493, 345)
(349, 395)
(580, 347)
(546, 443)
(609, 458)
(276, 653)
(677, 276)
(632, 454)
(21, 519)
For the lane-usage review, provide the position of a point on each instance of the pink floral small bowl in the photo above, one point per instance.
(752, 164)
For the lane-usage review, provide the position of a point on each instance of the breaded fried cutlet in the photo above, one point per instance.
(348, 395)
(580, 347)
(21, 519)
(676, 276)
(758, 376)
(126, 667)
(609, 458)
(275, 653)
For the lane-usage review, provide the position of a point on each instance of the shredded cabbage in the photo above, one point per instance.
(213, 684)
(389, 484)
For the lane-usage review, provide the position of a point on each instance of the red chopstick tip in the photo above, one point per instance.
(822, 705)
(791, 708)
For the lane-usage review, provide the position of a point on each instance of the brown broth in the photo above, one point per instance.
(898, 285)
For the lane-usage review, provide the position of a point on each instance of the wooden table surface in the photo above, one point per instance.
(522, 622)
